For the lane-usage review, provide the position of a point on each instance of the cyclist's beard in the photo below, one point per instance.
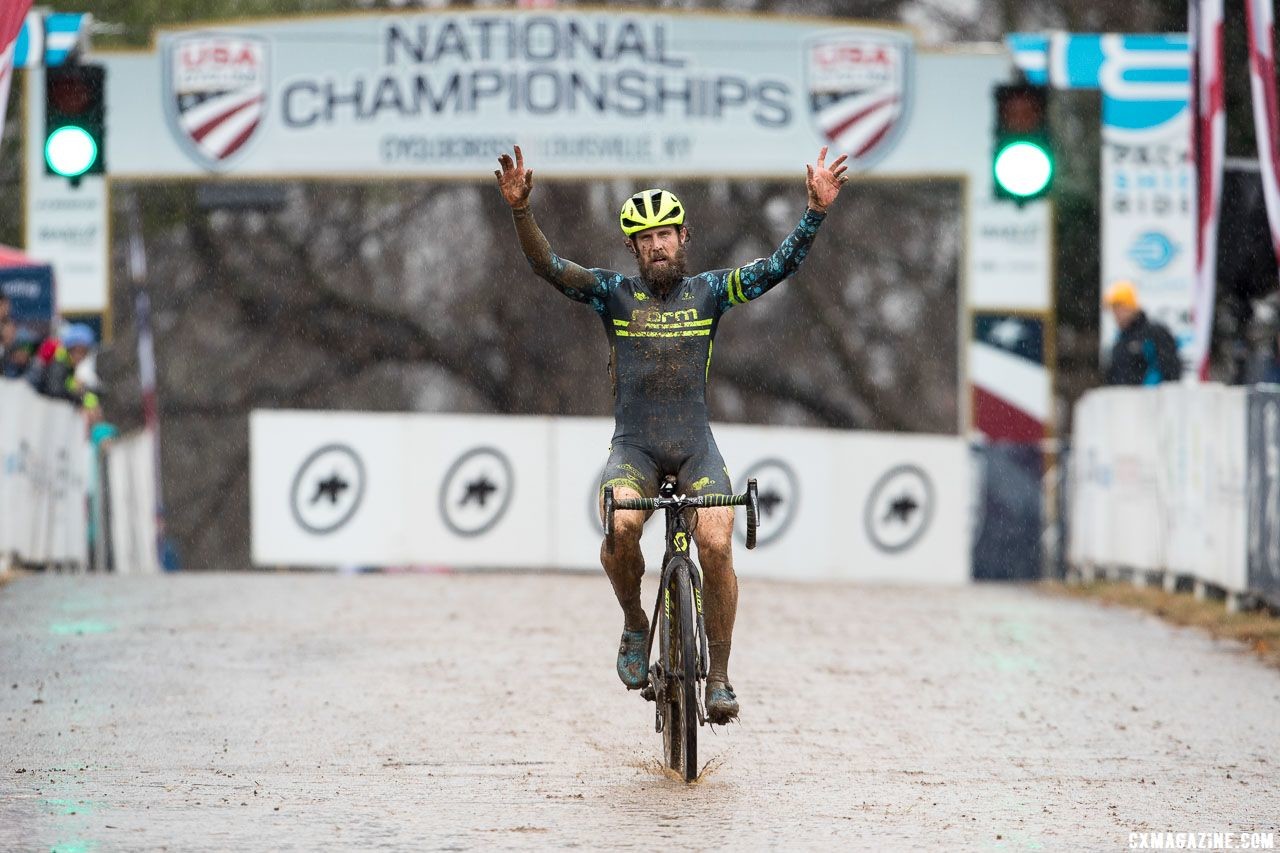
(660, 278)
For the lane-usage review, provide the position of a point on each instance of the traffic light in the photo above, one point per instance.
(74, 121)
(1022, 159)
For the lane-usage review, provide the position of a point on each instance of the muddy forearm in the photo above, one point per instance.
(546, 263)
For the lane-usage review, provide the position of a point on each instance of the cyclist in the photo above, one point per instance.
(660, 325)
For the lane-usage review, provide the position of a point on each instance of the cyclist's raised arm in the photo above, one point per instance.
(516, 183)
(758, 277)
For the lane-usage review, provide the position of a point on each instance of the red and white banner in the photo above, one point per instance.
(1262, 76)
(1208, 138)
(12, 14)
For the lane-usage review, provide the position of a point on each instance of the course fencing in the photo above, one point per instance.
(44, 458)
(458, 491)
(128, 466)
(1175, 480)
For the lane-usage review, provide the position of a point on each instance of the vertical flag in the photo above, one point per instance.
(1208, 139)
(1260, 18)
(12, 14)
(147, 374)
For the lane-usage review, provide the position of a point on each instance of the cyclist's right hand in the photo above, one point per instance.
(514, 180)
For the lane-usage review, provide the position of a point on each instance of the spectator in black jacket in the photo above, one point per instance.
(57, 378)
(1145, 352)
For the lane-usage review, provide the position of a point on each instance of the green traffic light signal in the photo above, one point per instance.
(1022, 161)
(70, 151)
(75, 126)
(1023, 169)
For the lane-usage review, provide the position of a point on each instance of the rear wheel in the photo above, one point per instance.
(680, 711)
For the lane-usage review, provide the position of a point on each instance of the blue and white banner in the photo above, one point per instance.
(1148, 181)
(1030, 56)
(47, 40)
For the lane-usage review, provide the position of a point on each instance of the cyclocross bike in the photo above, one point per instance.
(676, 676)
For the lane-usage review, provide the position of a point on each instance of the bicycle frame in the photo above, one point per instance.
(675, 713)
(678, 537)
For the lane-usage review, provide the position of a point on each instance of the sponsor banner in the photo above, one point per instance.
(1030, 55)
(1009, 253)
(46, 40)
(443, 93)
(1148, 179)
(64, 224)
(1264, 492)
(43, 478)
(510, 492)
(910, 500)
(1011, 393)
(30, 292)
(371, 489)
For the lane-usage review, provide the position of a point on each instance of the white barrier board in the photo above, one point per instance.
(458, 491)
(131, 478)
(43, 477)
(1158, 481)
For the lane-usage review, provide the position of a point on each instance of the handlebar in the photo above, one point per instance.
(749, 499)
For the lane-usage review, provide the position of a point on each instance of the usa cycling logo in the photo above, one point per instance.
(1152, 251)
(860, 84)
(215, 93)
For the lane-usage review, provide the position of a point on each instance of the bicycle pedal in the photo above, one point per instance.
(647, 693)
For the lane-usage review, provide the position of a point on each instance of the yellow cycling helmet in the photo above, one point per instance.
(650, 209)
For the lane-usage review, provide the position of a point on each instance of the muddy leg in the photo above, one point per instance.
(625, 566)
(714, 535)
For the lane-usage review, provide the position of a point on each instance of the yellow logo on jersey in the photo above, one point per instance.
(701, 484)
(641, 297)
(653, 317)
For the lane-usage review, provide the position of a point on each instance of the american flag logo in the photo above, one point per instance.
(216, 93)
(859, 90)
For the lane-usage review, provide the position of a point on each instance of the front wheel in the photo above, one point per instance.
(680, 667)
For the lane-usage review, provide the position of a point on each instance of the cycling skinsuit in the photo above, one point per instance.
(660, 361)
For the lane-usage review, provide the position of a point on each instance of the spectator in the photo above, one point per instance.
(1267, 367)
(16, 363)
(59, 362)
(8, 337)
(5, 307)
(1145, 352)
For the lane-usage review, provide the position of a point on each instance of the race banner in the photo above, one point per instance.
(1208, 145)
(583, 92)
(1262, 77)
(1148, 180)
(12, 16)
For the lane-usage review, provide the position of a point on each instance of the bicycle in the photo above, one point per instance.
(682, 662)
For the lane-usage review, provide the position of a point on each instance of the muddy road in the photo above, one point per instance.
(305, 712)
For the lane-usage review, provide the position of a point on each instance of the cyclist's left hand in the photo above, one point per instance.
(825, 181)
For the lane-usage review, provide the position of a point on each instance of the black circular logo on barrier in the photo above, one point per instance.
(779, 491)
(476, 491)
(327, 489)
(899, 508)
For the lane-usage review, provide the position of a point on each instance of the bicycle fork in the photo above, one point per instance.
(656, 691)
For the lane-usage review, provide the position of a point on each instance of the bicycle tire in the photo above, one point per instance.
(680, 723)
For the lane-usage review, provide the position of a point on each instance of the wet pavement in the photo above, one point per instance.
(305, 712)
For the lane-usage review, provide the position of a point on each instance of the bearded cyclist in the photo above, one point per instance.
(660, 326)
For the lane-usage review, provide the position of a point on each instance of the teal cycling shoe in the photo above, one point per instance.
(722, 703)
(633, 659)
